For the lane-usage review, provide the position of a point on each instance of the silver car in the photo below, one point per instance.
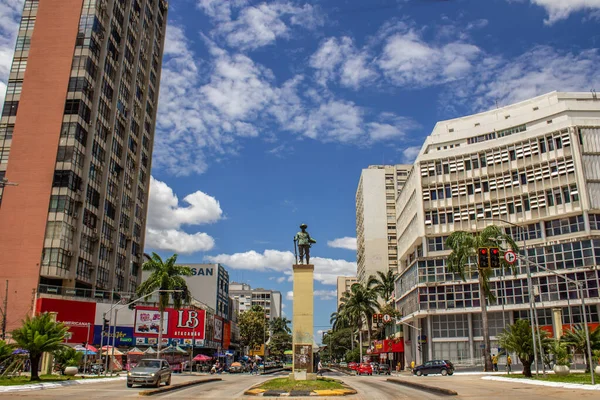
(150, 371)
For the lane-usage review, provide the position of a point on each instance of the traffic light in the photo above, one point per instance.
(105, 325)
(494, 257)
(484, 257)
(419, 348)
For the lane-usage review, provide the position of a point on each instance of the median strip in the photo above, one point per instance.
(419, 386)
(178, 386)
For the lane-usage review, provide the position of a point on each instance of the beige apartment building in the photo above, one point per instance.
(376, 218)
(343, 285)
(535, 164)
(76, 135)
(269, 300)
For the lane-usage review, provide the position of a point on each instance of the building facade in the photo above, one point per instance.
(76, 134)
(376, 236)
(269, 300)
(534, 164)
(343, 285)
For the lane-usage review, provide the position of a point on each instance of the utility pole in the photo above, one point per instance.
(4, 310)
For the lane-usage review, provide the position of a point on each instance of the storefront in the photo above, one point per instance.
(388, 351)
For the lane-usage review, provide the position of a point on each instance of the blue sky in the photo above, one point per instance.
(268, 112)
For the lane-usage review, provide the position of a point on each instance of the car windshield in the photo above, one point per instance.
(149, 364)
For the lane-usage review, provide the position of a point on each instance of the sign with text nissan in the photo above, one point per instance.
(178, 324)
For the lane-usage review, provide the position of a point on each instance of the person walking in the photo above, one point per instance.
(320, 369)
(508, 364)
(412, 365)
(495, 362)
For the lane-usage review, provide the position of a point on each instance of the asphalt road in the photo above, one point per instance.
(469, 387)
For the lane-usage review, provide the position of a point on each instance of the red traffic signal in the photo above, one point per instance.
(483, 258)
(495, 257)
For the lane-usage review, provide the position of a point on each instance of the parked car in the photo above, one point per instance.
(150, 371)
(236, 367)
(374, 366)
(353, 366)
(383, 369)
(343, 365)
(364, 369)
(443, 367)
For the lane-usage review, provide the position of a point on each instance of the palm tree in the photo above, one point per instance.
(67, 357)
(38, 335)
(165, 276)
(358, 306)
(383, 283)
(517, 338)
(464, 247)
(5, 351)
(576, 339)
(280, 324)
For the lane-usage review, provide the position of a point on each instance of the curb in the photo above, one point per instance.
(255, 391)
(54, 385)
(542, 383)
(426, 388)
(178, 386)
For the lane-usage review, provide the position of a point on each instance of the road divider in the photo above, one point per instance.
(177, 386)
(420, 386)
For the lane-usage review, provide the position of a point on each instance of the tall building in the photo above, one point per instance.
(76, 134)
(376, 218)
(343, 285)
(269, 300)
(533, 164)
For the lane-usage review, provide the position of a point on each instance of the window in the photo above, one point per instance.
(90, 219)
(74, 130)
(564, 226)
(78, 107)
(56, 257)
(66, 178)
(92, 196)
(109, 209)
(10, 108)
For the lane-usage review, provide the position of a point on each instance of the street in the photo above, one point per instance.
(368, 387)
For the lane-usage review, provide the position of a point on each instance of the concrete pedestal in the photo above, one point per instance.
(303, 321)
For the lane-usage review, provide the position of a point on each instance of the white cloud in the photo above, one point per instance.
(289, 295)
(541, 70)
(10, 13)
(281, 279)
(166, 216)
(561, 9)
(407, 60)
(258, 25)
(326, 294)
(326, 270)
(410, 153)
(348, 243)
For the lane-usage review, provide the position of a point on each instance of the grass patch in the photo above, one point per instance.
(25, 380)
(288, 385)
(585, 379)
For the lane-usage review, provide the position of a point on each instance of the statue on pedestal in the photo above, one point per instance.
(303, 242)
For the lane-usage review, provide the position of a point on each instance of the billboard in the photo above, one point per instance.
(123, 336)
(218, 332)
(78, 316)
(178, 324)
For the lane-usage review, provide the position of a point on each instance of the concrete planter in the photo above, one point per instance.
(561, 370)
(597, 370)
(71, 371)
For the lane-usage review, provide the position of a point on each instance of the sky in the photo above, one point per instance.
(268, 111)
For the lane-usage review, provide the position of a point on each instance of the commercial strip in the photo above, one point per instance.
(534, 164)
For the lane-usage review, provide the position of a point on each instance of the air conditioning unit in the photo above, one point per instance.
(69, 253)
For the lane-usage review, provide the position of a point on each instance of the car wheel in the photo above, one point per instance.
(450, 373)
(130, 385)
(419, 373)
(168, 382)
(444, 372)
(157, 384)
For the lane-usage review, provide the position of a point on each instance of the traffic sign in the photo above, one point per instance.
(510, 257)
(387, 318)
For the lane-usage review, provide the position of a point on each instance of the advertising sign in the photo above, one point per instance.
(303, 357)
(147, 321)
(78, 316)
(226, 335)
(123, 336)
(218, 332)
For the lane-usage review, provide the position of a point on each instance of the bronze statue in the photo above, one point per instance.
(303, 241)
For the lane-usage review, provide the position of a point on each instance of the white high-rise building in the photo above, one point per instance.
(376, 218)
(535, 164)
(344, 283)
(269, 300)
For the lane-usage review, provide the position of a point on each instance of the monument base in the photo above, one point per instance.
(303, 376)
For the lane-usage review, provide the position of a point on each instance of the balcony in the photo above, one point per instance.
(52, 271)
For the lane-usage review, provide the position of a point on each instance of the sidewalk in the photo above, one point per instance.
(53, 385)
(542, 383)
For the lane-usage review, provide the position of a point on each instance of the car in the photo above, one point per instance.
(364, 369)
(443, 367)
(236, 367)
(343, 365)
(383, 369)
(353, 366)
(374, 366)
(150, 371)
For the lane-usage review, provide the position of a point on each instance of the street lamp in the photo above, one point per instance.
(532, 311)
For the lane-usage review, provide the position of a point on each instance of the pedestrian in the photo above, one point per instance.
(320, 369)
(495, 362)
(508, 364)
(412, 365)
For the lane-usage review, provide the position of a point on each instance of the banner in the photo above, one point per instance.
(123, 336)
(226, 335)
(178, 324)
(147, 321)
(218, 332)
(78, 316)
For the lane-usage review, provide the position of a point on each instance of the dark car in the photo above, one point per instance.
(443, 367)
(383, 369)
(152, 371)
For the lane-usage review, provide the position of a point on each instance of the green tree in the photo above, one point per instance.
(252, 324)
(575, 338)
(280, 324)
(5, 351)
(67, 357)
(358, 306)
(352, 355)
(38, 335)
(338, 342)
(516, 338)
(165, 275)
(279, 343)
(464, 246)
(383, 283)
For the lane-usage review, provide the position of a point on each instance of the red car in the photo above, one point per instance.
(365, 369)
(353, 366)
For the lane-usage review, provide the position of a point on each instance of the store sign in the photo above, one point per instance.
(218, 332)
(78, 316)
(123, 336)
(178, 324)
(208, 271)
(147, 321)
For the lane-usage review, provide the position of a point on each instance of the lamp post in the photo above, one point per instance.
(532, 312)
